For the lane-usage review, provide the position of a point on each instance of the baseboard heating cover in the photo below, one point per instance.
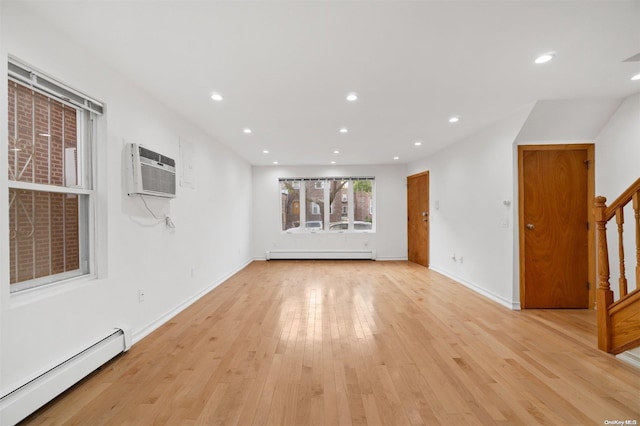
(321, 254)
(21, 402)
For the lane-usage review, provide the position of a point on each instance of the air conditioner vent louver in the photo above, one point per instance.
(158, 180)
(150, 173)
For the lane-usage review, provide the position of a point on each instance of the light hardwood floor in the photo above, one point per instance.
(356, 342)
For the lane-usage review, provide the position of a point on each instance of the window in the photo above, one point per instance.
(350, 200)
(363, 203)
(314, 201)
(337, 194)
(50, 129)
(290, 194)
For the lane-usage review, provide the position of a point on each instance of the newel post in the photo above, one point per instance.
(604, 295)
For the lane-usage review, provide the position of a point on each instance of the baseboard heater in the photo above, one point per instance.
(321, 254)
(26, 399)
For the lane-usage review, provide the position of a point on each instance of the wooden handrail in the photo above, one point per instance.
(622, 200)
(610, 339)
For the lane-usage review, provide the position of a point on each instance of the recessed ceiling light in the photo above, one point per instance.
(344, 130)
(336, 152)
(216, 96)
(352, 96)
(275, 162)
(454, 119)
(266, 151)
(542, 59)
(246, 131)
(333, 162)
(396, 158)
(417, 143)
(635, 77)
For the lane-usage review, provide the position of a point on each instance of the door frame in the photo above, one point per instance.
(416, 175)
(591, 173)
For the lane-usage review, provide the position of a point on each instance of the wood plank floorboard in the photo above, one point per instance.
(356, 343)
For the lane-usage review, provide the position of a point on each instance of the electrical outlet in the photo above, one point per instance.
(140, 295)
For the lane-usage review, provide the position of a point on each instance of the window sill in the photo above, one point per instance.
(46, 291)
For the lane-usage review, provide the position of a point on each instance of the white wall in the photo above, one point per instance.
(469, 185)
(566, 120)
(212, 238)
(389, 241)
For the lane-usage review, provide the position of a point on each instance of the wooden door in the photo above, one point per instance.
(554, 226)
(418, 218)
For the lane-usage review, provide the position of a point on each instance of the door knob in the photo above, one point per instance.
(530, 226)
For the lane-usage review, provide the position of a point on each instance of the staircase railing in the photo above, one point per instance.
(618, 320)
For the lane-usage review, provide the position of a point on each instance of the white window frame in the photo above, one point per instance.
(88, 110)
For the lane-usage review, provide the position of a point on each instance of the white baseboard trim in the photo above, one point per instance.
(25, 399)
(630, 358)
(157, 323)
(514, 306)
(380, 259)
(320, 254)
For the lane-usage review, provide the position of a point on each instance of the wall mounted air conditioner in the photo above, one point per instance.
(149, 173)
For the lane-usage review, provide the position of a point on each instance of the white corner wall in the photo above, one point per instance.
(472, 209)
(618, 150)
(389, 241)
(211, 241)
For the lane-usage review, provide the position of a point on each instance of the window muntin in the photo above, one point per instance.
(49, 178)
(341, 194)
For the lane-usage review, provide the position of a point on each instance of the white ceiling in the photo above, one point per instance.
(284, 68)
